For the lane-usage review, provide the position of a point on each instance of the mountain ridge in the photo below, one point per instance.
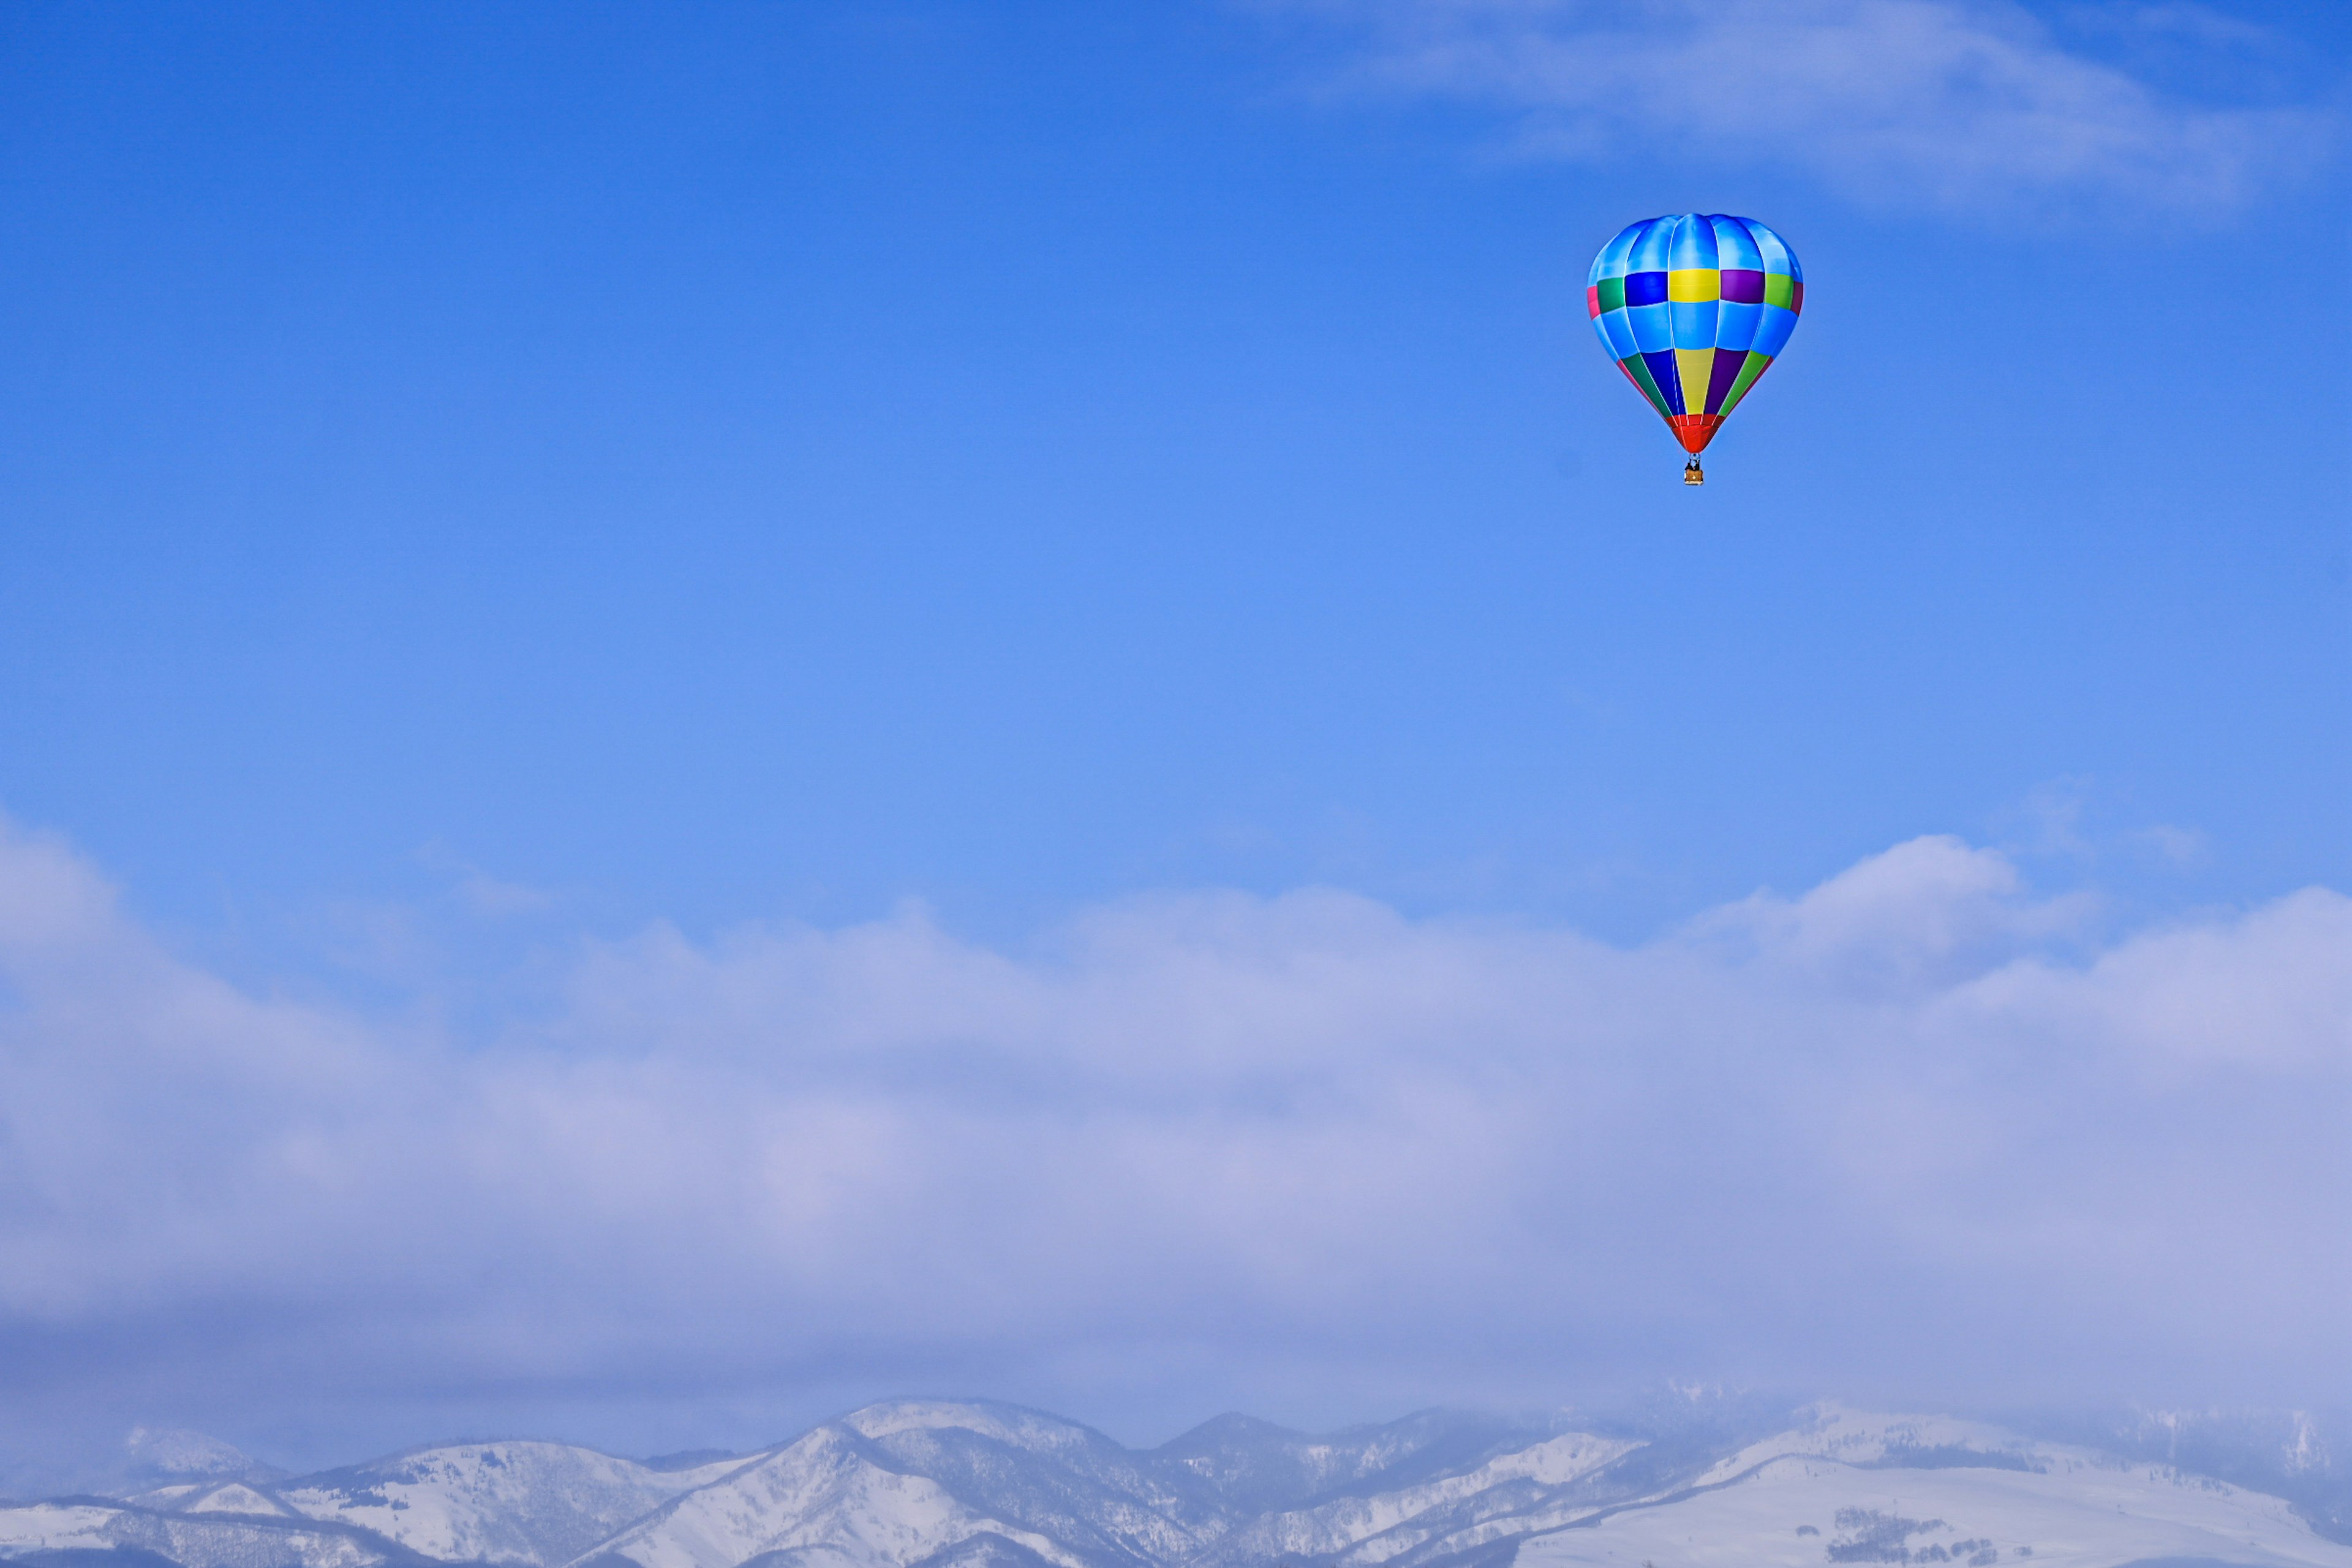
(934, 1483)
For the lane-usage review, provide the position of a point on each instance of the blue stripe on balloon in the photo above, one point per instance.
(1669, 378)
(1735, 328)
(1694, 324)
(1649, 252)
(1772, 332)
(1645, 287)
(1694, 244)
(1734, 245)
(1777, 257)
(1610, 262)
(1652, 330)
(1617, 332)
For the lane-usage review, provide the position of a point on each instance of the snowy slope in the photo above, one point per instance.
(2075, 1511)
(1392, 1524)
(212, 1543)
(2298, 1455)
(232, 1497)
(55, 1524)
(1863, 1437)
(1052, 1477)
(830, 1500)
(226, 1543)
(1254, 1467)
(535, 1504)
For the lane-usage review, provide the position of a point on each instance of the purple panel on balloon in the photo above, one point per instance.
(1727, 367)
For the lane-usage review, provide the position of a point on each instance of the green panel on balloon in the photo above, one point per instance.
(1646, 382)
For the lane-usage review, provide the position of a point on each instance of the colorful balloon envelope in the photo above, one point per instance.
(1693, 308)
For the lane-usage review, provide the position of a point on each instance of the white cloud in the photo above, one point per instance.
(1882, 1132)
(1959, 104)
(2271, 993)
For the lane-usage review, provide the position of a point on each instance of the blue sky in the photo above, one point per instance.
(509, 507)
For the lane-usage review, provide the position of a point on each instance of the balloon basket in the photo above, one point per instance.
(1692, 474)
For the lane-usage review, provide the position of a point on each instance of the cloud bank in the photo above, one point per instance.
(1965, 105)
(1915, 1133)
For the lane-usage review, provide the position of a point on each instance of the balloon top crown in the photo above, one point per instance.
(1682, 242)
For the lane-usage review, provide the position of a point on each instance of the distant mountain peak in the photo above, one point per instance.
(172, 1451)
(1015, 1423)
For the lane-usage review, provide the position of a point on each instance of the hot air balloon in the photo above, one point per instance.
(1693, 308)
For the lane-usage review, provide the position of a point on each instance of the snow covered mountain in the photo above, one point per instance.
(529, 1503)
(929, 1484)
(1856, 1489)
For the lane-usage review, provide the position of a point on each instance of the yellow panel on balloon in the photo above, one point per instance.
(1696, 365)
(1693, 286)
